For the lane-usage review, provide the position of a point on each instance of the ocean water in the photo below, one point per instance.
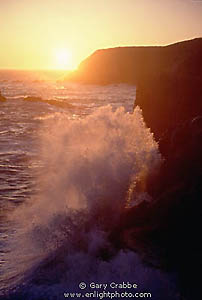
(66, 177)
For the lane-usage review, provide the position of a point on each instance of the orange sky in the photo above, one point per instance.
(58, 34)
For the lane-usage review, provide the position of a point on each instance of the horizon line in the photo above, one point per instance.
(118, 46)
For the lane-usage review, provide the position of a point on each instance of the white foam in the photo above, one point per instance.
(91, 167)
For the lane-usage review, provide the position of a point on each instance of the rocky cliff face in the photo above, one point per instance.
(168, 79)
(172, 94)
(2, 98)
(169, 92)
(135, 64)
(171, 101)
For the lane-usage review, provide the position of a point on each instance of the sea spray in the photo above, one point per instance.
(61, 236)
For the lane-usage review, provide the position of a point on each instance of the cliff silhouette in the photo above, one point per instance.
(133, 64)
(169, 92)
(168, 79)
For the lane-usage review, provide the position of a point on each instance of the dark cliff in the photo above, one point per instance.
(172, 92)
(134, 64)
(169, 92)
(168, 79)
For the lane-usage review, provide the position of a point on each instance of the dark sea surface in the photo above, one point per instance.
(65, 176)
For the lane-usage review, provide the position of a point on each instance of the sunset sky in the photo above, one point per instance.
(58, 34)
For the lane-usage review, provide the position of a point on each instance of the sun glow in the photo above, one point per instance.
(63, 59)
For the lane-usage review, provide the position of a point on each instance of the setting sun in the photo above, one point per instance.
(100, 149)
(63, 59)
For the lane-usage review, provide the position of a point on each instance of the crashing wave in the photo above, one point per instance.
(91, 168)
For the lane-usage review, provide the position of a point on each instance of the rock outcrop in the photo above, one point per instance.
(136, 64)
(173, 95)
(2, 98)
(168, 229)
(168, 79)
(57, 103)
(169, 92)
(171, 102)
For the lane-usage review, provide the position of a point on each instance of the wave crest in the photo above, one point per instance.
(91, 169)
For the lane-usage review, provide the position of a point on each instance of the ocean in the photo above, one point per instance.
(67, 173)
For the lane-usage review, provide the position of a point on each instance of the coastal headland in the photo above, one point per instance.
(169, 92)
